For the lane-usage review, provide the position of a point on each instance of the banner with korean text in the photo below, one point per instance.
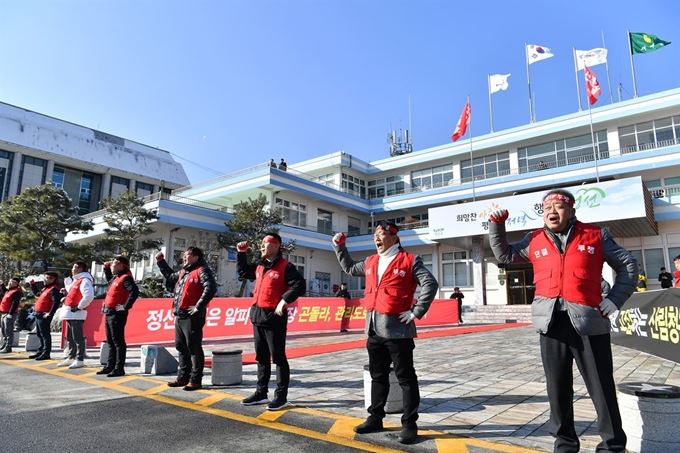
(151, 320)
(648, 322)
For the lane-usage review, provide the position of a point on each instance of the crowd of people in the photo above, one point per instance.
(570, 311)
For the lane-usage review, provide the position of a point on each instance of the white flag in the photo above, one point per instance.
(537, 53)
(498, 82)
(590, 57)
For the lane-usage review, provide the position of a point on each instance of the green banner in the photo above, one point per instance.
(643, 43)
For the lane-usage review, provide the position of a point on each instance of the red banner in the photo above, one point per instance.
(151, 320)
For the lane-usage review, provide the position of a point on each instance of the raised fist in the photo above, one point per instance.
(499, 216)
(160, 256)
(242, 246)
(107, 265)
(339, 239)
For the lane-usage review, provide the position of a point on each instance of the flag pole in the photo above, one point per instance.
(596, 147)
(578, 86)
(472, 161)
(526, 59)
(632, 65)
(488, 82)
(606, 65)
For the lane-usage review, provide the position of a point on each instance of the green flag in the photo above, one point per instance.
(643, 43)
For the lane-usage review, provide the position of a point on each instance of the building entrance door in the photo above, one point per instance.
(520, 286)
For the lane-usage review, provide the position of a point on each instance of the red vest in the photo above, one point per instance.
(74, 295)
(6, 303)
(270, 284)
(395, 291)
(116, 294)
(575, 274)
(44, 302)
(192, 289)
(677, 279)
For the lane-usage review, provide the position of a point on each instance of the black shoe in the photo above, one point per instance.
(255, 398)
(105, 371)
(371, 425)
(343, 330)
(6, 350)
(278, 404)
(191, 386)
(408, 434)
(35, 356)
(177, 383)
(116, 373)
(43, 357)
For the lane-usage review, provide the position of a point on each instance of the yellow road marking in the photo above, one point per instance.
(271, 416)
(212, 399)
(340, 433)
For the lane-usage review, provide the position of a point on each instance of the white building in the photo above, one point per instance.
(441, 210)
(90, 165)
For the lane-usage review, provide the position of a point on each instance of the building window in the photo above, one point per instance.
(143, 189)
(179, 246)
(650, 134)
(58, 177)
(6, 159)
(32, 172)
(353, 226)
(485, 167)
(353, 185)
(427, 261)
(355, 285)
(558, 153)
(298, 261)
(292, 213)
(429, 178)
(118, 186)
(456, 269)
(386, 187)
(324, 221)
(85, 197)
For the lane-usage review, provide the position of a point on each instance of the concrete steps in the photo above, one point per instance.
(493, 314)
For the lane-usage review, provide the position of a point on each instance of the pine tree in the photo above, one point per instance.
(129, 222)
(33, 226)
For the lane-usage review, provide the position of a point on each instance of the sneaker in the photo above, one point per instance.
(66, 362)
(255, 398)
(178, 383)
(278, 404)
(116, 373)
(6, 350)
(371, 425)
(105, 371)
(76, 364)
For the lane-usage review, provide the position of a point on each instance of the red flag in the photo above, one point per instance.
(592, 85)
(463, 123)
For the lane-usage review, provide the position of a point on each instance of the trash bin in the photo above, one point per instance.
(395, 400)
(650, 414)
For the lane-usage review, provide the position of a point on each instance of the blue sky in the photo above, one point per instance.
(229, 84)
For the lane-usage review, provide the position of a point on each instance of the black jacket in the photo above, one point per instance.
(173, 283)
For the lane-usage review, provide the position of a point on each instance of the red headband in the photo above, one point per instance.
(559, 197)
(271, 239)
(389, 228)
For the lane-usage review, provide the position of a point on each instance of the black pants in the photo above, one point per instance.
(382, 353)
(270, 345)
(75, 339)
(189, 344)
(559, 348)
(44, 335)
(115, 337)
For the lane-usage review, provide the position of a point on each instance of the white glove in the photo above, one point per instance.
(280, 307)
(9, 316)
(193, 310)
(607, 307)
(120, 307)
(46, 316)
(499, 216)
(339, 239)
(406, 316)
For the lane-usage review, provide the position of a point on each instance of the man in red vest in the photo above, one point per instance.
(277, 284)
(8, 309)
(392, 276)
(569, 312)
(194, 287)
(120, 296)
(74, 310)
(49, 299)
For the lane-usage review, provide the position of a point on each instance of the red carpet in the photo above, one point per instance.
(325, 348)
